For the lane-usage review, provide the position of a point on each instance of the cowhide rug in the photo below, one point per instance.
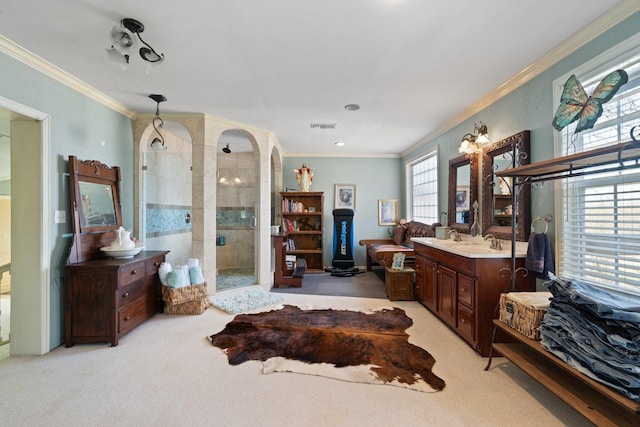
(348, 345)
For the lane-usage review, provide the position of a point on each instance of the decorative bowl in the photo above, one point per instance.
(121, 253)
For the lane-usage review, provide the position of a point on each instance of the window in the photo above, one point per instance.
(599, 238)
(423, 175)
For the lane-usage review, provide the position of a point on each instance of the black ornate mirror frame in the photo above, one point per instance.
(515, 148)
(454, 165)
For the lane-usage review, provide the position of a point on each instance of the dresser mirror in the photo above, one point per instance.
(94, 191)
(463, 191)
(497, 204)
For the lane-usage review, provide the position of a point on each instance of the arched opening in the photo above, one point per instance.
(237, 199)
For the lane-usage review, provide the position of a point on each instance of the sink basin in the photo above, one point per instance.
(473, 249)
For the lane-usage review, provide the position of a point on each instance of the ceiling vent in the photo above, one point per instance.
(323, 125)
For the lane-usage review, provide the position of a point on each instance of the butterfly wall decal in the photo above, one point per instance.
(576, 105)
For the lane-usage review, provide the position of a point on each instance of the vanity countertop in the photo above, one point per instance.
(474, 249)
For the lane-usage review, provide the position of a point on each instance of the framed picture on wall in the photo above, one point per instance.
(345, 196)
(387, 211)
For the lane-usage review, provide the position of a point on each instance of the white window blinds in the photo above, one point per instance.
(599, 239)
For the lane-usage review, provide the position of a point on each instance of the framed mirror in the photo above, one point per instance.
(497, 204)
(463, 191)
(95, 196)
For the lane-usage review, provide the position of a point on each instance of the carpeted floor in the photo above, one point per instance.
(365, 285)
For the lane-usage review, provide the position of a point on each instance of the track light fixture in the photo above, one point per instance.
(123, 44)
(158, 142)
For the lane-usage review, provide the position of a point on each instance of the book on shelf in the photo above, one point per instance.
(292, 206)
(292, 245)
(290, 261)
(289, 225)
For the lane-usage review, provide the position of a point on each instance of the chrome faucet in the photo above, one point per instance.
(495, 243)
(453, 232)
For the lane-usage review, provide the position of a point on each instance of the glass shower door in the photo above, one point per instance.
(235, 213)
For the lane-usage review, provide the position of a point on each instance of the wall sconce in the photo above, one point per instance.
(473, 142)
(123, 43)
(158, 142)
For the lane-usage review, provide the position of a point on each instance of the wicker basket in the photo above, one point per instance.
(523, 311)
(192, 307)
(175, 296)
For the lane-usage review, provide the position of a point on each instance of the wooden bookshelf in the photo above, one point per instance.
(302, 214)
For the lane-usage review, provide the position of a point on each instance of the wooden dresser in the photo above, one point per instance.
(106, 298)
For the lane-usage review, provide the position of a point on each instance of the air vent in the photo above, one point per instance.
(323, 125)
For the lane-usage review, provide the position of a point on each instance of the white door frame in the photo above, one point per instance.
(31, 299)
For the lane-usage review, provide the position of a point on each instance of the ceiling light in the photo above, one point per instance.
(339, 144)
(158, 142)
(472, 143)
(227, 149)
(352, 107)
(123, 44)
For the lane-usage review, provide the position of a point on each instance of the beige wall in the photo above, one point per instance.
(5, 242)
(5, 226)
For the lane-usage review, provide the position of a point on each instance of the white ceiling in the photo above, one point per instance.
(280, 65)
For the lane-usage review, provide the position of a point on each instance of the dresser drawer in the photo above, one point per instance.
(465, 290)
(130, 273)
(152, 265)
(135, 313)
(466, 323)
(130, 293)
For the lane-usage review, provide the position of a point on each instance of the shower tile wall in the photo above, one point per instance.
(167, 192)
(235, 214)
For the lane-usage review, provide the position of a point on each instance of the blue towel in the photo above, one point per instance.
(539, 260)
(195, 274)
(176, 279)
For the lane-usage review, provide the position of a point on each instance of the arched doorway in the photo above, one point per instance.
(237, 198)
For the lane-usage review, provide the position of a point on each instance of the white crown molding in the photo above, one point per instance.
(30, 59)
(605, 22)
(344, 155)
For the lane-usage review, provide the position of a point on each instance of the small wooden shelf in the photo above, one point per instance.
(595, 401)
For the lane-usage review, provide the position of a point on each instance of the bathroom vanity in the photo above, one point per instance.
(461, 283)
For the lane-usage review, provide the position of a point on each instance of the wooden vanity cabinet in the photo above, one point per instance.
(466, 291)
(446, 294)
(426, 282)
(107, 298)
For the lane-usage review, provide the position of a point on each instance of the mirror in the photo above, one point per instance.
(497, 203)
(94, 190)
(97, 207)
(463, 191)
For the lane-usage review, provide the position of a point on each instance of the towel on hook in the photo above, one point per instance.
(539, 260)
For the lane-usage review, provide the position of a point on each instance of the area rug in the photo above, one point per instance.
(246, 300)
(348, 345)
